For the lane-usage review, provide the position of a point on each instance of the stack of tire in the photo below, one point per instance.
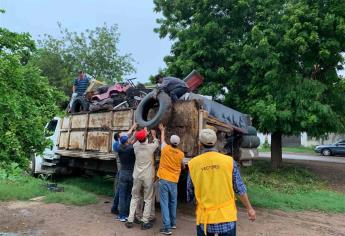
(250, 139)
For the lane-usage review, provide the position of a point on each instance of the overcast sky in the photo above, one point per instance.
(135, 18)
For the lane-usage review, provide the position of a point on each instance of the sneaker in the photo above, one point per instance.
(123, 219)
(129, 224)
(173, 227)
(165, 231)
(145, 226)
(137, 221)
(118, 218)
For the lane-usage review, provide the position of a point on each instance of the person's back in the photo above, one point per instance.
(211, 174)
(170, 83)
(126, 156)
(170, 163)
(144, 164)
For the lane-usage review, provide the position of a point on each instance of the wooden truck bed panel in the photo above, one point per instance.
(122, 120)
(90, 135)
(98, 141)
(100, 120)
(79, 121)
(76, 140)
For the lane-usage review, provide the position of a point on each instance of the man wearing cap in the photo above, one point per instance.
(215, 179)
(124, 184)
(169, 171)
(143, 176)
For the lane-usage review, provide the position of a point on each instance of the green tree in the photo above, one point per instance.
(27, 101)
(277, 58)
(93, 51)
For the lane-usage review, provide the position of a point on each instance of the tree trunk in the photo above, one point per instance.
(276, 150)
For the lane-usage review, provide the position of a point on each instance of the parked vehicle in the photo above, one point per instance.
(331, 149)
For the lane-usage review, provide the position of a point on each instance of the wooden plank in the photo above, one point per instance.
(65, 122)
(98, 141)
(184, 123)
(100, 120)
(63, 141)
(79, 121)
(85, 131)
(122, 120)
(76, 140)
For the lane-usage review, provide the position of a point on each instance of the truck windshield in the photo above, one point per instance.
(51, 128)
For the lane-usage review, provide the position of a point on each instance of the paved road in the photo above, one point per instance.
(305, 157)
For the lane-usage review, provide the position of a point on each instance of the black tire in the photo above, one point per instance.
(80, 105)
(326, 152)
(250, 141)
(161, 116)
(252, 131)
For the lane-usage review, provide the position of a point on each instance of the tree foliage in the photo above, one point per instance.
(93, 51)
(27, 101)
(277, 58)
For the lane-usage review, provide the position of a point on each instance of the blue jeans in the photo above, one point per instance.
(125, 189)
(168, 202)
(200, 232)
(115, 206)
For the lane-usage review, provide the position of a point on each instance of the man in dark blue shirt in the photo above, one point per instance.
(126, 155)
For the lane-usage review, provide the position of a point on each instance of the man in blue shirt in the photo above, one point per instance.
(80, 84)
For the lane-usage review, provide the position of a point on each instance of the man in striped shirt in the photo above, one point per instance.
(80, 84)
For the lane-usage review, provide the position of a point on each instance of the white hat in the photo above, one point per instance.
(175, 140)
(208, 137)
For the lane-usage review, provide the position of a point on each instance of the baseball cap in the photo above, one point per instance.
(208, 137)
(123, 139)
(141, 135)
(174, 139)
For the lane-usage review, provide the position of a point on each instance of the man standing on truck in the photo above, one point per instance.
(143, 176)
(173, 86)
(215, 179)
(79, 87)
(169, 171)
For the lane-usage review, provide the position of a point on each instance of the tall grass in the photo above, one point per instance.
(290, 188)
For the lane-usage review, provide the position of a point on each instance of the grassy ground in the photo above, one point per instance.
(77, 191)
(291, 188)
(307, 150)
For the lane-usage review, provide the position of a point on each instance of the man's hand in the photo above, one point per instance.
(154, 135)
(251, 214)
(161, 127)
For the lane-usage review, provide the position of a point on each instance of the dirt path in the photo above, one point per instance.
(38, 219)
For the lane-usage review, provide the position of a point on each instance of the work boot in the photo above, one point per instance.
(129, 224)
(145, 226)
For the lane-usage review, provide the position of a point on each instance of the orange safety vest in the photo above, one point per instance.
(211, 174)
(170, 163)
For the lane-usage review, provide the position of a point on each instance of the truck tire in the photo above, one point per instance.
(163, 110)
(250, 141)
(79, 105)
(251, 131)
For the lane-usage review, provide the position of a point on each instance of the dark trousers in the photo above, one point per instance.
(176, 93)
(125, 189)
(115, 207)
(200, 232)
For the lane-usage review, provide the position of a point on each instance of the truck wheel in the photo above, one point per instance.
(79, 105)
(250, 141)
(163, 110)
(251, 131)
